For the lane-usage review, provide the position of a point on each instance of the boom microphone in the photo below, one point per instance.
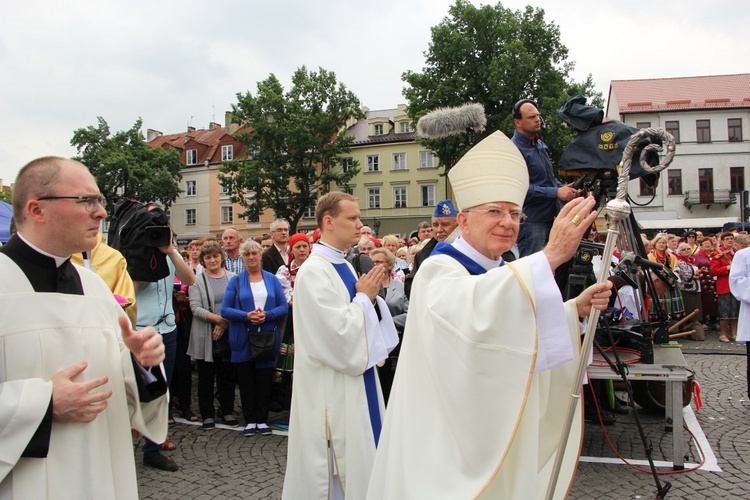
(443, 122)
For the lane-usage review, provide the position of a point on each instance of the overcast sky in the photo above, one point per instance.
(175, 64)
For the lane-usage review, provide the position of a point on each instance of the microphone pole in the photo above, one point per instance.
(618, 210)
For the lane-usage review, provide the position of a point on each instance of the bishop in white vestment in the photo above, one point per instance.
(489, 353)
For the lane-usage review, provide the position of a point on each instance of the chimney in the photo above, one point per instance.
(231, 127)
(213, 126)
(152, 134)
(191, 129)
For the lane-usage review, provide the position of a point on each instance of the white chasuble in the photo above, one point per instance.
(470, 415)
(41, 334)
(336, 340)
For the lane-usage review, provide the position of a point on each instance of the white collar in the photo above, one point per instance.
(462, 246)
(58, 260)
(328, 252)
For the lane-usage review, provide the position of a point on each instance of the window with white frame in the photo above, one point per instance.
(190, 216)
(373, 163)
(399, 197)
(404, 128)
(426, 159)
(223, 189)
(378, 129)
(227, 215)
(399, 161)
(227, 152)
(191, 156)
(428, 195)
(189, 188)
(346, 164)
(309, 212)
(373, 197)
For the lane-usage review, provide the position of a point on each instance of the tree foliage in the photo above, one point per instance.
(295, 144)
(6, 195)
(494, 56)
(125, 166)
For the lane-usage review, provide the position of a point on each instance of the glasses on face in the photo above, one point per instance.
(91, 203)
(380, 262)
(499, 214)
(281, 230)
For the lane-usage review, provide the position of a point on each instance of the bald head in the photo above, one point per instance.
(35, 180)
(57, 206)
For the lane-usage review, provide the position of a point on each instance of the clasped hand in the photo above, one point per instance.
(257, 317)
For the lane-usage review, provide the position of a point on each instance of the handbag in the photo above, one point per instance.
(220, 349)
(261, 345)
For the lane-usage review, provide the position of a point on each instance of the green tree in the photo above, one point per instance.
(494, 56)
(124, 165)
(295, 142)
(6, 196)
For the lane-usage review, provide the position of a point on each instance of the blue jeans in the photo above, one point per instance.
(170, 353)
(532, 237)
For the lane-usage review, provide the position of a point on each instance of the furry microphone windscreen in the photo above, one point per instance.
(443, 122)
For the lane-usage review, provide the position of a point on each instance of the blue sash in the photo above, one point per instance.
(443, 248)
(371, 388)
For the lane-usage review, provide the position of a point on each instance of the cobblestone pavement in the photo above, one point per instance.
(222, 463)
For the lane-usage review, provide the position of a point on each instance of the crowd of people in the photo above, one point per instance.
(702, 264)
(332, 325)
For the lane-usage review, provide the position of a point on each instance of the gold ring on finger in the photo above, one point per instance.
(576, 220)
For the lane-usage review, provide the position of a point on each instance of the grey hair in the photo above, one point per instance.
(276, 223)
(250, 246)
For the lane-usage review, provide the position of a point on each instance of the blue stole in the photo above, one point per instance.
(371, 389)
(475, 269)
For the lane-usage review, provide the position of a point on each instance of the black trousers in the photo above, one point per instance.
(255, 391)
(182, 378)
(223, 373)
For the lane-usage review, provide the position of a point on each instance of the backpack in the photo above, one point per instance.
(128, 234)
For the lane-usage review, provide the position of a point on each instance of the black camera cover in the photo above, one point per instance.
(130, 233)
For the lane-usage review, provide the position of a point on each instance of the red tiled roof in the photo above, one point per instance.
(695, 92)
(209, 138)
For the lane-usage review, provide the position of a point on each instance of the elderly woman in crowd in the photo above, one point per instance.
(690, 285)
(194, 252)
(702, 260)
(299, 245)
(392, 243)
(254, 304)
(729, 306)
(209, 337)
(671, 300)
(393, 292)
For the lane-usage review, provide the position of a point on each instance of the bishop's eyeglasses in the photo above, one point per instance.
(498, 214)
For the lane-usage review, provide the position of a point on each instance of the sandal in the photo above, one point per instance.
(189, 416)
(168, 445)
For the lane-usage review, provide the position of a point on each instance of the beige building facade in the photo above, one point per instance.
(398, 183)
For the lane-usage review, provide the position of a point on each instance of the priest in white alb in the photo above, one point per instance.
(74, 376)
(490, 350)
(342, 331)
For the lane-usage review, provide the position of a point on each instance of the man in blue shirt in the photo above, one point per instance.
(155, 308)
(540, 205)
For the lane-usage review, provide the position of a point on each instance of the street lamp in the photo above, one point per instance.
(376, 225)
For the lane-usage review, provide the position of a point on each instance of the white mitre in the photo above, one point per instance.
(493, 170)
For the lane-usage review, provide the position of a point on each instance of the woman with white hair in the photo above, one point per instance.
(254, 304)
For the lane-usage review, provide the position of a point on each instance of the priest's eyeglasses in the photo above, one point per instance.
(91, 202)
(499, 214)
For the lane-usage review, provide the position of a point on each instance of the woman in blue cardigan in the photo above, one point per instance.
(254, 301)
